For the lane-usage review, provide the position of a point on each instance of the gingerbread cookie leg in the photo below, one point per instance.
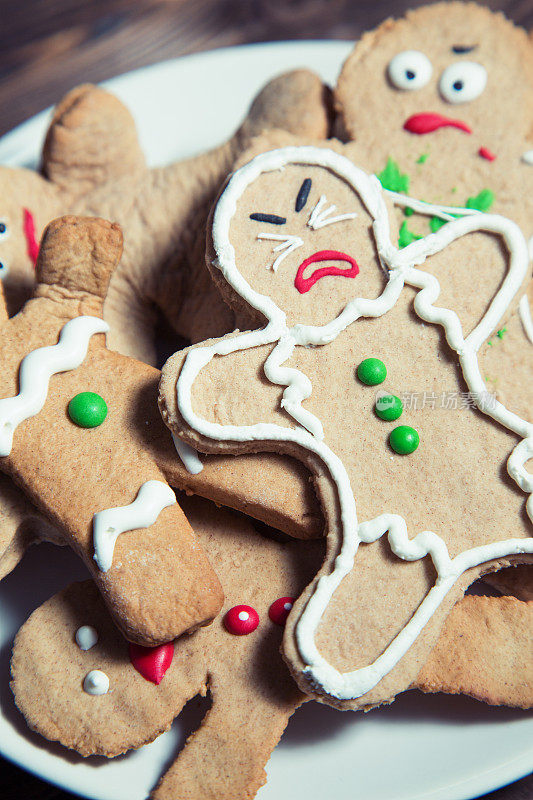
(157, 581)
(235, 740)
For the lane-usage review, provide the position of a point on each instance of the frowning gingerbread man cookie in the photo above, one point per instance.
(415, 500)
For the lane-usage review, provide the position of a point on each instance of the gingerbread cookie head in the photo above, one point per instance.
(309, 246)
(446, 92)
(452, 68)
(28, 203)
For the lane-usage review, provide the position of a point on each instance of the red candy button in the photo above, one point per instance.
(152, 662)
(241, 620)
(279, 610)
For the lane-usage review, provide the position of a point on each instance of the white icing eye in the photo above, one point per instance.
(4, 269)
(463, 82)
(410, 70)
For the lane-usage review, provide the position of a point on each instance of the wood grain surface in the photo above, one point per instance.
(49, 46)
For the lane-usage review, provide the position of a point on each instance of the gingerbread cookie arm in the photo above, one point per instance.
(91, 142)
(466, 659)
(121, 516)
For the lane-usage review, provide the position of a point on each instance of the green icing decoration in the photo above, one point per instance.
(436, 223)
(423, 158)
(388, 407)
(408, 212)
(406, 236)
(404, 440)
(500, 334)
(371, 371)
(482, 201)
(87, 409)
(391, 178)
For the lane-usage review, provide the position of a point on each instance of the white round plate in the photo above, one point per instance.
(431, 747)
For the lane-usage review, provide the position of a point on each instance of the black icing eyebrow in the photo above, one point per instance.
(460, 49)
(273, 219)
(303, 194)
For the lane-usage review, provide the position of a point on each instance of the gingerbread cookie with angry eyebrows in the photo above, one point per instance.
(418, 503)
(72, 417)
(71, 637)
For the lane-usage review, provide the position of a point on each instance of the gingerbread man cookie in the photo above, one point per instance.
(160, 210)
(70, 416)
(339, 323)
(70, 650)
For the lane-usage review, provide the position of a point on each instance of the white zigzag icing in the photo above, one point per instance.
(152, 498)
(36, 370)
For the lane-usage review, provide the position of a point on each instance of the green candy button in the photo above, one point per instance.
(87, 409)
(404, 440)
(371, 371)
(388, 407)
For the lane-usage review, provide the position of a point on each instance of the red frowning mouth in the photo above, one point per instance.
(28, 226)
(429, 122)
(304, 284)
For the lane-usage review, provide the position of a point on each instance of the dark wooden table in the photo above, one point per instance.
(49, 46)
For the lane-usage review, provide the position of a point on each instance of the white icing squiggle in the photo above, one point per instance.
(96, 682)
(188, 456)
(288, 245)
(525, 317)
(401, 268)
(86, 637)
(152, 498)
(36, 370)
(320, 217)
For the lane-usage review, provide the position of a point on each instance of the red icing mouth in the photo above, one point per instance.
(28, 226)
(304, 284)
(429, 122)
(152, 662)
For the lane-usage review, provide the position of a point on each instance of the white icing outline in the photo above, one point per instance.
(188, 455)
(525, 317)
(36, 370)
(401, 268)
(152, 498)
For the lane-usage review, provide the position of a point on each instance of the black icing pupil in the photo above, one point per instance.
(1, 266)
(2, 227)
(409, 74)
(458, 85)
